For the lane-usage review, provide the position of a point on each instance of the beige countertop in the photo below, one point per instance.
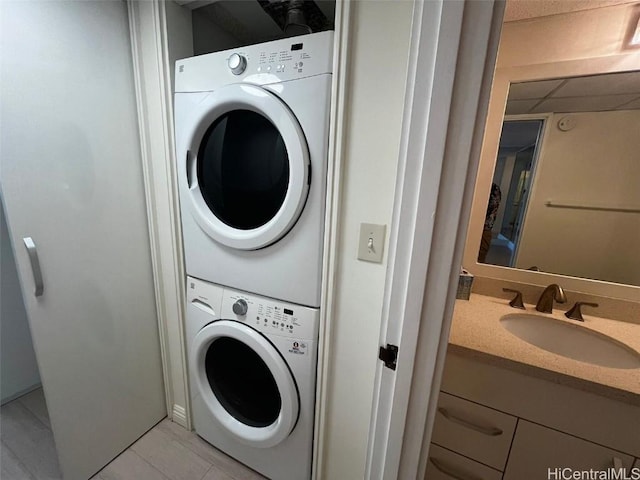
(476, 331)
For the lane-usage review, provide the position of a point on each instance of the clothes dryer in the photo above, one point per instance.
(252, 130)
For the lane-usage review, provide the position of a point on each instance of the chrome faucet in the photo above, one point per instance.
(551, 293)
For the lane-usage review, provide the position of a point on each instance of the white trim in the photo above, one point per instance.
(341, 40)
(449, 41)
(474, 74)
(147, 24)
(422, 144)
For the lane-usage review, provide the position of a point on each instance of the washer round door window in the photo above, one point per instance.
(245, 383)
(247, 167)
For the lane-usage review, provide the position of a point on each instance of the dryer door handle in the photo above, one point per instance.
(190, 163)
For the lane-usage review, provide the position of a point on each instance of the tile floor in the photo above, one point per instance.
(166, 452)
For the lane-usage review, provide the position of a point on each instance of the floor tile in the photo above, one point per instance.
(216, 473)
(169, 456)
(29, 440)
(196, 444)
(34, 402)
(129, 465)
(10, 467)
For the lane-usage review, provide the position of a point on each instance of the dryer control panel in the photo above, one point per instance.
(262, 64)
(270, 316)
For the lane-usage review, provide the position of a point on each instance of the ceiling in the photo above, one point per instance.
(526, 9)
(519, 135)
(597, 93)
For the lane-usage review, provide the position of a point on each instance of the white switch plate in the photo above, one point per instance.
(371, 242)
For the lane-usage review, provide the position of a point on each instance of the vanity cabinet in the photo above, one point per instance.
(494, 419)
(536, 449)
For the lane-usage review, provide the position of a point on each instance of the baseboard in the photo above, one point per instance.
(179, 415)
(24, 391)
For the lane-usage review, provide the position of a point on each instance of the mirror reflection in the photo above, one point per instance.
(565, 197)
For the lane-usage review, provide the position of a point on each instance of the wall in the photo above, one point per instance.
(603, 147)
(379, 48)
(18, 367)
(209, 37)
(573, 44)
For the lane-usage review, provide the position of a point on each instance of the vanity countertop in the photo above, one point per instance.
(476, 331)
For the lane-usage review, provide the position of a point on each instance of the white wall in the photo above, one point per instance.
(209, 37)
(574, 44)
(595, 163)
(379, 47)
(18, 367)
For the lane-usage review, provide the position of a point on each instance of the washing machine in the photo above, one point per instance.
(252, 364)
(252, 129)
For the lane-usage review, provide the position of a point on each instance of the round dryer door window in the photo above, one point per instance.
(245, 383)
(247, 167)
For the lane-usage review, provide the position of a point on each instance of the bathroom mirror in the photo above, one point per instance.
(564, 197)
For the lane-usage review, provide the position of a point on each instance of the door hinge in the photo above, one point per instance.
(389, 356)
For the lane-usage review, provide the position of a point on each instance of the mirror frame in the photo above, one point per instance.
(503, 78)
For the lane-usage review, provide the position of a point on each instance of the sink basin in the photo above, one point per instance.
(571, 341)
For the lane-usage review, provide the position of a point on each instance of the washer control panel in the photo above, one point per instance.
(270, 316)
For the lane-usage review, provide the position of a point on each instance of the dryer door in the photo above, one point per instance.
(245, 383)
(247, 167)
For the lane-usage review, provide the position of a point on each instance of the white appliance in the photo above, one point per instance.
(252, 363)
(252, 130)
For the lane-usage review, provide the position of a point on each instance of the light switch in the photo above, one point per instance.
(371, 242)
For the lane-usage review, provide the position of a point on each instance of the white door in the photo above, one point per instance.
(73, 189)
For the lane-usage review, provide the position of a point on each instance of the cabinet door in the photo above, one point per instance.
(538, 450)
(73, 188)
(475, 431)
(444, 464)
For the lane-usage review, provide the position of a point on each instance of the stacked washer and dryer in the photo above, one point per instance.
(252, 128)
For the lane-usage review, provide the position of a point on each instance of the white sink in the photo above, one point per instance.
(571, 341)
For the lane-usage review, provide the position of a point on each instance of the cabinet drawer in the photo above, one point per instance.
(446, 465)
(537, 449)
(478, 432)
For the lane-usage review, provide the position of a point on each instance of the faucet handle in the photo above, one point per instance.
(575, 313)
(517, 300)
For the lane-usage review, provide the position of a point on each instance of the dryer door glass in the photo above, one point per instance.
(243, 169)
(242, 382)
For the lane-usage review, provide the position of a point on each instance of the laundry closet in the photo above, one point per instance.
(252, 156)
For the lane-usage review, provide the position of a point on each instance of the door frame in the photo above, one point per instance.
(453, 53)
(152, 76)
(152, 71)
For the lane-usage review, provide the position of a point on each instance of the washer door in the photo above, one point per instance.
(247, 167)
(245, 383)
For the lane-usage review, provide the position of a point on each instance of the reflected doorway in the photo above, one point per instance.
(517, 154)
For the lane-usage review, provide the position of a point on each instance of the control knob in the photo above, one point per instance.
(237, 63)
(240, 307)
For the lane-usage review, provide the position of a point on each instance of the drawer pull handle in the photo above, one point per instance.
(451, 472)
(490, 431)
